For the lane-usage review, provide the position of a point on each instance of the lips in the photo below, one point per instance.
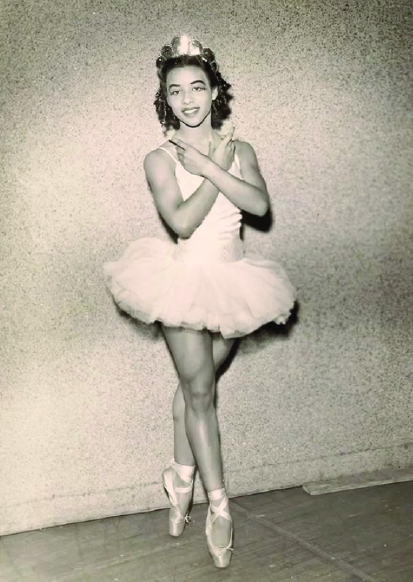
(190, 111)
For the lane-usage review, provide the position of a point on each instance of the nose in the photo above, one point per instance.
(187, 97)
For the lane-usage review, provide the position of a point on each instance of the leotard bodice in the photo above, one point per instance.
(218, 236)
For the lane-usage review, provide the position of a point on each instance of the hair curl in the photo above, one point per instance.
(220, 110)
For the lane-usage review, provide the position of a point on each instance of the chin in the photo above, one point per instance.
(193, 123)
(196, 122)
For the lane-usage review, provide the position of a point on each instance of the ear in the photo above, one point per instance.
(214, 93)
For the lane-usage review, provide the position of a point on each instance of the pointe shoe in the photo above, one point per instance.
(177, 520)
(220, 555)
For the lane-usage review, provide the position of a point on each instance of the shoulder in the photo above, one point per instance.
(160, 154)
(159, 160)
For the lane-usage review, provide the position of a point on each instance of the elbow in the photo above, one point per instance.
(183, 229)
(184, 233)
(261, 203)
(263, 211)
(262, 207)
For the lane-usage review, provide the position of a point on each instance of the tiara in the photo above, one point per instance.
(185, 45)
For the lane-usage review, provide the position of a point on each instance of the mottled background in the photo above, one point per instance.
(324, 94)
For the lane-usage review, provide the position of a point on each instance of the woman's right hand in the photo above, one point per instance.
(223, 154)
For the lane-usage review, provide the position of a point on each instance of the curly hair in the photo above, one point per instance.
(220, 110)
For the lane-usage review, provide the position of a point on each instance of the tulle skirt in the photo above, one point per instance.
(155, 281)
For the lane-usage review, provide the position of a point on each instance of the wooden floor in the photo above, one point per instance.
(288, 535)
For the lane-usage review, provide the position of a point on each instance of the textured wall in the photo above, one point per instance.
(323, 91)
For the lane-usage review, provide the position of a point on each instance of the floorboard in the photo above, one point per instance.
(288, 535)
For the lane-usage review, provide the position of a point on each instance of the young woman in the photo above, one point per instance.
(204, 289)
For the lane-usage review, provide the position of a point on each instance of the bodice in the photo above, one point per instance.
(218, 236)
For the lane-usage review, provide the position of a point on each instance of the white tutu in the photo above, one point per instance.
(234, 298)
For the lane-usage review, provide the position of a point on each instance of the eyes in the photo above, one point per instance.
(197, 89)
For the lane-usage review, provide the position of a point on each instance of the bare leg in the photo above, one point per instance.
(193, 355)
(183, 454)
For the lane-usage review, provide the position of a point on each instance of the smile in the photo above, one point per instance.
(190, 111)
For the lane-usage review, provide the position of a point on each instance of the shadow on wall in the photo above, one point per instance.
(270, 332)
(261, 223)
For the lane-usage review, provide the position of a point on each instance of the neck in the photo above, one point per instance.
(202, 134)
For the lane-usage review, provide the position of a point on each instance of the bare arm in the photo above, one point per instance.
(182, 216)
(250, 193)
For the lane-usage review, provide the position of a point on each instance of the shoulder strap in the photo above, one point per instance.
(169, 153)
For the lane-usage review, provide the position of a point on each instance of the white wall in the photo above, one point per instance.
(323, 91)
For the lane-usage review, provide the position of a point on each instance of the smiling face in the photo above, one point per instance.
(189, 94)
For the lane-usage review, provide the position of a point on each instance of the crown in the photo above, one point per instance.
(185, 45)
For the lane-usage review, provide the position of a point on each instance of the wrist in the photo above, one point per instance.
(208, 168)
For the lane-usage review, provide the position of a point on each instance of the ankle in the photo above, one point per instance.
(215, 497)
(184, 474)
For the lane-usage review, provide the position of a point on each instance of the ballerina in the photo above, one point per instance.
(204, 289)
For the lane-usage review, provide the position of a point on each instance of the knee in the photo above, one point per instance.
(199, 393)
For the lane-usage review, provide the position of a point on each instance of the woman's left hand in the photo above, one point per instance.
(191, 158)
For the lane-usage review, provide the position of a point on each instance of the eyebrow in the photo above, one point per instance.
(193, 83)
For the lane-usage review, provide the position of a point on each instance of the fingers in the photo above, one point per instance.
(179, 143)
(229, 135)
(227, 140)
